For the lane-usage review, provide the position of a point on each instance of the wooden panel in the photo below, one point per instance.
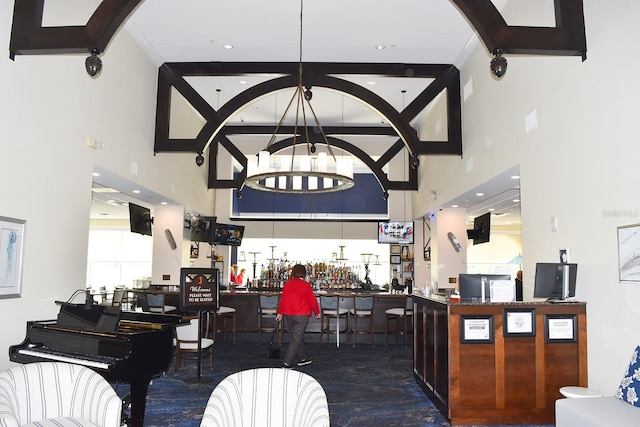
(476, 380)
(519, 368)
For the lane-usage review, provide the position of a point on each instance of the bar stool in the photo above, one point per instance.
(330, 309)
(362, 309)
(267, 309)
(398, 314)
(225, 313)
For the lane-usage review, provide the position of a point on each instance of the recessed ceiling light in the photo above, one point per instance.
(95, 174)
(228, 46)
(243, 82)
(380, 47)
(136, 191)
(454, 206)
(371, 82)
(492, 209)
(516, 200)
(479, 194)
(515, 177)
(163, 203)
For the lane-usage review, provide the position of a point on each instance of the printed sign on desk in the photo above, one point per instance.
(199, 290)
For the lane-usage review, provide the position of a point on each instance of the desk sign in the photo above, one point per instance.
(199, 290)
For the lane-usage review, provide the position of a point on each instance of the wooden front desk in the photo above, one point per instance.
(513, 377)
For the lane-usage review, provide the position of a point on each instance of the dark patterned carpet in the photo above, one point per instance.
(365, 386)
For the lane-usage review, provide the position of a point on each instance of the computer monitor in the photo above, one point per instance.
(555, 281)
(471, 285)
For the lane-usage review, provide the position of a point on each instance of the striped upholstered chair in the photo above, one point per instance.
(54, 394)
(267, 397)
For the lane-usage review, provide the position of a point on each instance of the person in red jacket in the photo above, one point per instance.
(296, 304)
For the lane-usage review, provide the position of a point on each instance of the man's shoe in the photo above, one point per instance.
(304, 362)
(285, 366)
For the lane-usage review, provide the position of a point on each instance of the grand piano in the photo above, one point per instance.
(132, 347)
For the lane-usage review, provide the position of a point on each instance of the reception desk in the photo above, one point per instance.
(498, 363)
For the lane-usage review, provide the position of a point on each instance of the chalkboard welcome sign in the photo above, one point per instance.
(199, 289)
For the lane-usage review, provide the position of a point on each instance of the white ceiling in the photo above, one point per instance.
(411, 31)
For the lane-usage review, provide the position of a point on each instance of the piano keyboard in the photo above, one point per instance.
(91, 361)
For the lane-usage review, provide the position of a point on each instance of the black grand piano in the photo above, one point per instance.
(122, 346)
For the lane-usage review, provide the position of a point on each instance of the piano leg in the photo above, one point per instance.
(139, 390)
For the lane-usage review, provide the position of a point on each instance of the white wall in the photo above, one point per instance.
(49, 106)
(579, 162)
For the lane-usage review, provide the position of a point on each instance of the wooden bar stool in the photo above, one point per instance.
(225, 313)
(399, 314)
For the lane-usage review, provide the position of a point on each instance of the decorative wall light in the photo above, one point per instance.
(306, 173)
(498, 63)
(93, 63)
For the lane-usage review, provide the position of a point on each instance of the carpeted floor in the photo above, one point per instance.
(365, 386)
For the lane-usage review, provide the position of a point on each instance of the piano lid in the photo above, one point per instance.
(88, 317)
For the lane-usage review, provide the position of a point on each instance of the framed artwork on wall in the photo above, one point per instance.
(519, 322)
(395, 259)
(476, 329)
(628, 249)
(11, 253)
(395, 249)
(561, 328)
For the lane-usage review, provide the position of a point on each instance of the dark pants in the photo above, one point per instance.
(297, 325)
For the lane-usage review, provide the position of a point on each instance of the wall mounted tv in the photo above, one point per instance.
(140, 220)
(202, 229)
(555, 281)
(481, 229)
(228, 234)
(396, 232)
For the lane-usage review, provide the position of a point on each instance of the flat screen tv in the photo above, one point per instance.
(481, 229)
(140, 220)
(228, 234)
(552, 278)
(398, 232)
(202, 229)
(470, 286)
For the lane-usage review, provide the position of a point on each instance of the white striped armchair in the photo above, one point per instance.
(267, 397)
(55, 394)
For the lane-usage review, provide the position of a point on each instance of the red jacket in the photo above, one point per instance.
(298, 299)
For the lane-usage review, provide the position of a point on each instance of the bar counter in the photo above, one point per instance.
(246, 304)
(498, 363)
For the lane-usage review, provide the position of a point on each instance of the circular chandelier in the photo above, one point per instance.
(311, 173)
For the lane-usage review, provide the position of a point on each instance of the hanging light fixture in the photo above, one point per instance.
(311, 173)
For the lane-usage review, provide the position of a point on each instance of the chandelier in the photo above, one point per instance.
(302, 173)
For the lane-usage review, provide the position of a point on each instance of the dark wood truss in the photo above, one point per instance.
(29, 37)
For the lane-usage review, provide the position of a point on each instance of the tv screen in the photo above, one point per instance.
(550, 278)
(228, 234)
(400, 232)
(470, 286)
(140, 219)
(202, 229)
(481, 229)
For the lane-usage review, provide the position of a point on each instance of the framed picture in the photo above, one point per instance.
(560, 328)
(476, 329)
(519, 322)
(395, 259)
(628, 247)
(11, 253)
(395, 250)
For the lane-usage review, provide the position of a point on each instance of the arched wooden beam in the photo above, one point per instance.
(567, 38)
(29, 37)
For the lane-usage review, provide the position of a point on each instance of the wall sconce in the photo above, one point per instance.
(93, 63)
